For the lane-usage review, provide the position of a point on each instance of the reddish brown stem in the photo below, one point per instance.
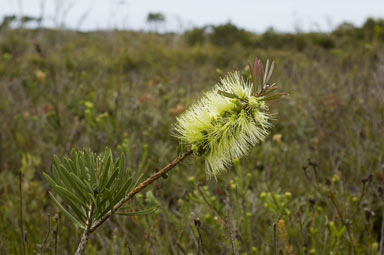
(139, 188)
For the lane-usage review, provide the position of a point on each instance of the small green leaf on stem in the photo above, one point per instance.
(139, 213)
(69, 215)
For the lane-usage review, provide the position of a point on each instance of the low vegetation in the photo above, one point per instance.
(315, 186)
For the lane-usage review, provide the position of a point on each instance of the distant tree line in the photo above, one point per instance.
(229, 35)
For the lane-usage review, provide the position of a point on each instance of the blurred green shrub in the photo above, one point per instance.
(228, 35)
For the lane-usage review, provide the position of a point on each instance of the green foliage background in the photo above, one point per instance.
(318, 176)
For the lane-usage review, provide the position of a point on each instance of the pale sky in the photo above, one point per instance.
(254, 15)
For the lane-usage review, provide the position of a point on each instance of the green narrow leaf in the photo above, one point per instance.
(68, 165)
(92, 173)
(104, 172)
(107, 196)
(122, 167)
(57, 160)
(66, 176)
(107, 209)
(73, 165)
(79, 167)
(68, 199)
(56, 176)
(101, 206)
(70, 181)
(94, 159)
(64, 193)
(92, 197)
(92, 167)
(80, 213)
(107, 154)
(89, 168)
(119, 195)
(139, 213)
(118, 180)
(87, 157)
(51, 182)
(73, 153)
(116, 164)
(144, 158)
(122, 192)
(63, 177)
(70, 216)
(137, 181)
(84, 185)
(112, 178)
(97, 207)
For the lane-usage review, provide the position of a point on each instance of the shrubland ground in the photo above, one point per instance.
(314, 187)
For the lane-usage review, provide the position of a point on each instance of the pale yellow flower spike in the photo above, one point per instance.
(226, 123)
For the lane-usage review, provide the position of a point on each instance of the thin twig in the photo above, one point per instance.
(208, 204)
(46, 236)
(333, 200)
(130, 250)
(241, 239)
(201, 244)
(274, 240)
(230, 224)
(193, 236)
(56, 232)
(21, 211)
(181, 248)
(284, 237)
(382, 235)
(366, 182)
(230, 235)
(201, 241)
(362, 194)
(139, 188)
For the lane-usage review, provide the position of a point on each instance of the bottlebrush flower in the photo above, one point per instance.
(229, 120)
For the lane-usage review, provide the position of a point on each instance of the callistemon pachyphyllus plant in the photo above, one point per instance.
(222, 126)
(230, 119)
